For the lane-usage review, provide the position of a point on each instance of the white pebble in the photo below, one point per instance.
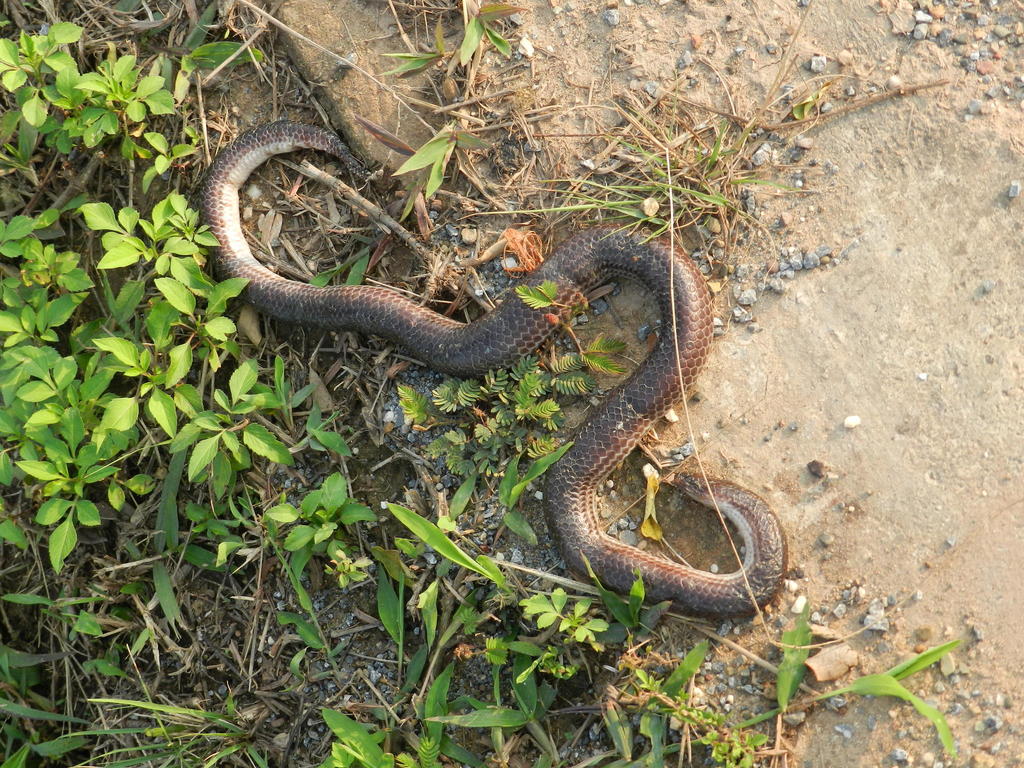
(851, 422)
(791, 586)
(922, 377)
(539, 495)
(526, 47)
(671, 416)
(799, 604)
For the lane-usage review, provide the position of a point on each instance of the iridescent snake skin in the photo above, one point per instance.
(512, 330)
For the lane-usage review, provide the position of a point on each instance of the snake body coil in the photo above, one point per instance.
(512, 330)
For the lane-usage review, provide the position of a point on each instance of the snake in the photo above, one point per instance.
(511, 330)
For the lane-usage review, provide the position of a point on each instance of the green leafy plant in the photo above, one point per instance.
(66, 107)
(427, 164)
(574, 621)
(514, 410)
(483, 22)
(316, 527)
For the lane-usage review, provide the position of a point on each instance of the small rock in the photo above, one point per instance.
(762, 155)
(826, 539)
(611, 17)
(747, 297)
(894, 83)
(804, 142)
(817, 64)
(947, 665)
(794, 718)
(684, 60)
(839, 611)
(817, 468)
(984, 67)
(799, 604)
(844, 730)
(811, 261)
(470, 235)
(974, 107)
(920, 31)
(899, 756)
(628, 538)
(851, 422)
(1014, 190)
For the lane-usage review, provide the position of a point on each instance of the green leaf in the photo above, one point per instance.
(427, 603)
(389, 609)
(261, 442)
(922, 660)
(794, 653)
(9, 531)
(462, 496)
(179, 363)
(305, 629)
(436, 702)
(517, 523)
(64, 33)
(687, 669)
(433, 536)
(202, 455)
(539, 467)
(491, 717)
(434, 151)
(121, 414)
(474, 33)
(242, 380)
(124, 350)
(40, 470)
(887, 685)
(62, 542)
(160, 406)
(34, 111)
(99, 217)
(177, 295)
(538, 296)
(356, 740)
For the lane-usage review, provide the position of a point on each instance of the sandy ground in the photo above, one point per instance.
(916, 332)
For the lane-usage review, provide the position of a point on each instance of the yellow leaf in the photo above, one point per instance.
(650, 527)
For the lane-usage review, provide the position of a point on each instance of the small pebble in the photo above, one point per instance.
(844, 730)
(894, 83)
(804, 142)
(826, 539)
(799, 604)
(611, 17)
(817, 64)
(1014, 190)
(747, 297)
(899, 756)
(851, 422)
(920, 31)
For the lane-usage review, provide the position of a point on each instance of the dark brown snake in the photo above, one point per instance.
(506, 334)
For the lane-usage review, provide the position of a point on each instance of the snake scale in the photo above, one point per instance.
(512, 330)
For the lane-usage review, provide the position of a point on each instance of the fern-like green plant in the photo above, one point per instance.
(509, 412)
